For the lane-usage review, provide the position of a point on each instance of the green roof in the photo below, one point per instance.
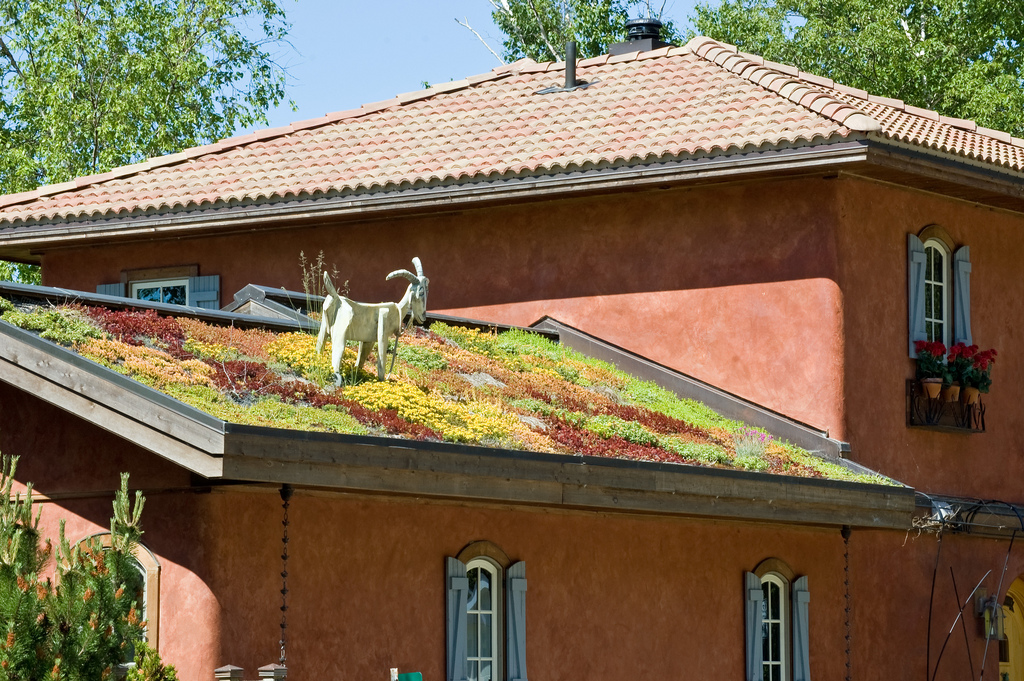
(514, 390)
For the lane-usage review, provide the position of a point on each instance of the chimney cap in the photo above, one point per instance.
(641, 35)
(643, 28)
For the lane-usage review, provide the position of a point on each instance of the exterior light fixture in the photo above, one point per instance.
(990, 613)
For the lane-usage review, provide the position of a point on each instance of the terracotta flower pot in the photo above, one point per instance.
(951, 393)
(932, 387)
(970, 395)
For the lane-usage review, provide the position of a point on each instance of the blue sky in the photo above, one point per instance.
(349, 53)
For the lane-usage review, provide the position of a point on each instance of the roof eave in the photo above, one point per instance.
(482, 474)
(275, 213)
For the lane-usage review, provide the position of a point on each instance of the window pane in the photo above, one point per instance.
(767, 672)
(485, 590)
(776, 634)
(472, 625)
(939, 271)
(930, 264)
(151, 294)
(765, 642)
(937, 306)
(471, 598)
(485, 635)
(775, 601)
(485, 671)
(929, 291)
(776, 673)
(472, 670)
(174, 295)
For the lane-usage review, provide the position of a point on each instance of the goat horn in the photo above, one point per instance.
(330, 285)
(405, 274)
(419, 266)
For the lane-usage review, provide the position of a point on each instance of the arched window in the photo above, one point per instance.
(774, 626)
(483, 620)
(937, 291)
(776, 623)
(485, 615)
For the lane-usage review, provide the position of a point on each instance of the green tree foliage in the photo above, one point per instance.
(13, 271)
(78, 623)
(539, 29)
(959, 57)
(88, 85)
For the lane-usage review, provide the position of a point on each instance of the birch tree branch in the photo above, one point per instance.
(465, 24)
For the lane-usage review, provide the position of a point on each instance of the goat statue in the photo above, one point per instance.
(347, 320)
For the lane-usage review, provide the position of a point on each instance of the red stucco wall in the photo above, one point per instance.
(873, 253)
(734, 285)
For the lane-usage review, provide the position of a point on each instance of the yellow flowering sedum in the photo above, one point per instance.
(460, 422)
(298, 351)
(213, 350)
(147, 365)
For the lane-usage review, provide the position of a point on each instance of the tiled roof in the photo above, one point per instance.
(666, 104)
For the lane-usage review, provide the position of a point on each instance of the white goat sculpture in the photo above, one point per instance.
(368, 323)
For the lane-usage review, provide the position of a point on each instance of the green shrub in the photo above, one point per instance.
(149, 667)
(6, 305)
(79, 620)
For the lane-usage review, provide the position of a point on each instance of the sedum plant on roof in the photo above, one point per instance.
(514, 390)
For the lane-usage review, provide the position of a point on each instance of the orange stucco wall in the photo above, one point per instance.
(734, 285)
(873, 255)
(611, 596)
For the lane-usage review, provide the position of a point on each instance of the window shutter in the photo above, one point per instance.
(801, 631)
(915, 291)
(204, 292)
(515, 619)
(754, 597)
(457, 586)
(962, 295)
(111, 289)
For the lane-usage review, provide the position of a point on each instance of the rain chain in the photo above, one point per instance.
(286, 495)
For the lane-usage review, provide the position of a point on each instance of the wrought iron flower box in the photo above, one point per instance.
(940, 413)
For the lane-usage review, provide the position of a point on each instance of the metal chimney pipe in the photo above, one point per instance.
(570, 64)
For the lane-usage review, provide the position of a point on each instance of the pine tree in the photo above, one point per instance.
(79, 619)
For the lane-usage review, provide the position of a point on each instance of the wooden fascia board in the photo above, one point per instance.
(466, 473)
(283, 213)
(45, 372)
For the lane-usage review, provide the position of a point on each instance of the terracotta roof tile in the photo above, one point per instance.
(677, 102)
